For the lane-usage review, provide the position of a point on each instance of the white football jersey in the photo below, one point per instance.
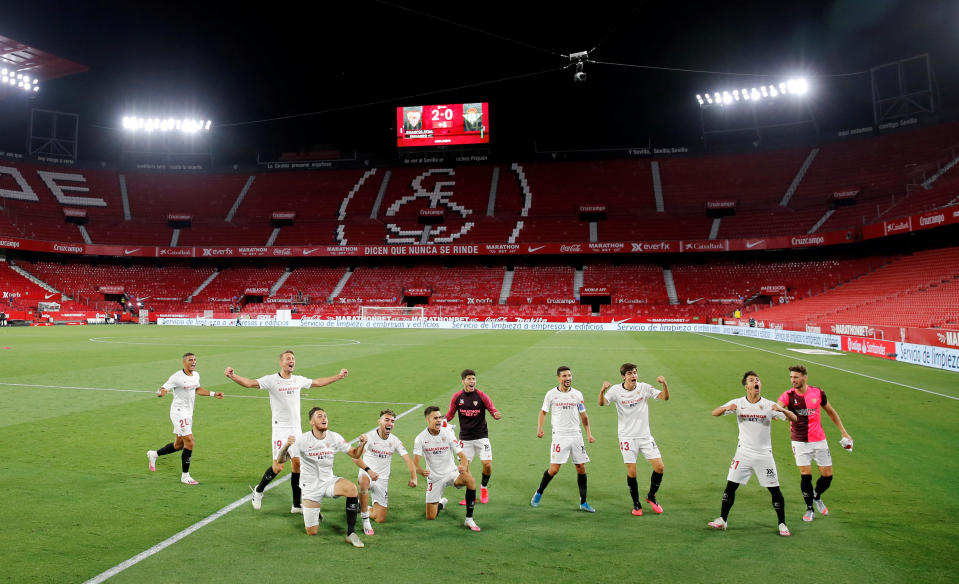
(754, 423)
(632, 407)
(316, 456)
(285, 397)
(564, 409)
(183, 387)
(378, 453)
(436, 450)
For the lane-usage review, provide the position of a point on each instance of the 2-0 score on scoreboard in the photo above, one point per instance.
(442, 125)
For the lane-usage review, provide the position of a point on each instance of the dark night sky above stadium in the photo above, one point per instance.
(269, 60)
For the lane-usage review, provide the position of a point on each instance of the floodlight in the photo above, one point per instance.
(755, 94)
(736, 94)
(762, 89)
(773, 92)
(709, 99)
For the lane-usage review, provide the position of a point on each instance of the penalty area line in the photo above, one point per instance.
(889, 381)
(103, 576)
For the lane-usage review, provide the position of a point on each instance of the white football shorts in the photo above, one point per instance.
(280, 435)
(435, 485)
(632, 447)
(182, 422)
(379, 489)
(745, 464)
(480, 446)
(317, 491)
(806, 452)
(562, 447)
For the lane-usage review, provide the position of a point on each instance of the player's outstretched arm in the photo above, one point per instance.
(602, 393)
(321, 381)
(834, 416)
(203, 391)
(240, 380)
(539, 425)
(664, 395)
(162, 392)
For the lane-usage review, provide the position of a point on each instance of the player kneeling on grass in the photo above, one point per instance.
(436, 444)
(316, 449)
(374, 475)
(754, 454)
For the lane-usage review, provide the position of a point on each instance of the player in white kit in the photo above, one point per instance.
(284, 389)
(436, 444)
(185, 385)
(567, 410)
(317, 449)
(632, 408)
(374, 476)
(754, 454)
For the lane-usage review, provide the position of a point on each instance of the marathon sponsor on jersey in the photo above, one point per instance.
(217, 251)
(606, 246)
(935, 219)
(284, 214)
(67, 248)
(641, 246)
(808, 240)
(502, 248)
(571, 248)
(9, 243)
(175, 251)
(898, 226)
(721, 245)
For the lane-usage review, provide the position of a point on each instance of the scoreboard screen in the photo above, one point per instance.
(442, 125)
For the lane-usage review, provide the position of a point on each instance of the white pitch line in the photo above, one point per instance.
(103, 576)
(345, 401)
(833, 367)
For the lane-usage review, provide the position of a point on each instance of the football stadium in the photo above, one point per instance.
(412, 235)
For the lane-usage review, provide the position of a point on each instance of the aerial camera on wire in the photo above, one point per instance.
(580, 61)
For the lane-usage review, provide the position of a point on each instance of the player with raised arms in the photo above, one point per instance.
(632, 407)
(754, 453)
(284, 389)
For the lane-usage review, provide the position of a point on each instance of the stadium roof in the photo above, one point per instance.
(256, 72)
(40, 63)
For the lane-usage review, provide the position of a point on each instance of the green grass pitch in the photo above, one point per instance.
(78, 498)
